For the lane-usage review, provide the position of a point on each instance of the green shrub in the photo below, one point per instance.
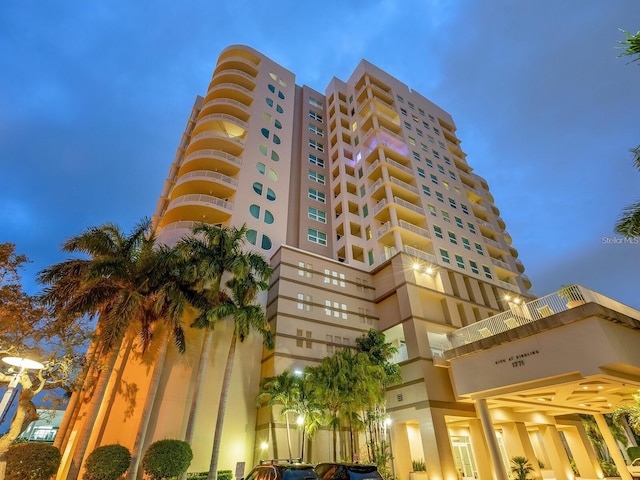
(633, 452)
(419, 465)
(224, 475)
(609, 469)
(32, 461)
(197, 475)
(108, 462)
(166, 459)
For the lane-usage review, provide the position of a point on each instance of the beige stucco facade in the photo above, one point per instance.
(364, 202)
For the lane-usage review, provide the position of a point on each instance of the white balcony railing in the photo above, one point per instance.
(533, 311)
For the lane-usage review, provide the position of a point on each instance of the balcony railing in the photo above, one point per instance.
(533, 311)
(209, 174)
(222, 117)
(205, 153)
(408, 205)
(500, 264)
(218, 134)
(421, 254)
(414, 228)
(208, 199)
(404, 185)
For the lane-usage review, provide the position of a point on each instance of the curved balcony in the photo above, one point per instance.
(198, 208)
(199, 181)
(519, 266)
(220, 122)
(216, 140)
(227, 106)
(525, 281)
(234, 75)
(211, 159)
(236, 62)
(232, 91)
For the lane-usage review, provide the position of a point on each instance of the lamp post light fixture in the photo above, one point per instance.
(387, 427)
(23, 364)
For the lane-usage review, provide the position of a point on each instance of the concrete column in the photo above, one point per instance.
(480, 450)
(583, 454)
(499, 472)
(611, 444)
(401, 450)
(555, 450)
(517, 443)
(438, 456)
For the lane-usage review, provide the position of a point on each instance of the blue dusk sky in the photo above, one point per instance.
(94, 97)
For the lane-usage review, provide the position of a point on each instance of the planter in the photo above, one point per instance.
(418, 476)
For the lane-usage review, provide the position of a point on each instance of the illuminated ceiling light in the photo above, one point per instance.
(582, 405)
(507, 297)
(430, 271)
(264, 445)
(517, 301)
(416, 266)
(608, 404)
(585, 388)
(541, 399)
(600, 387)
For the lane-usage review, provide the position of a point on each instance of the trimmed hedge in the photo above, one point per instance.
(32, 461)
(108, 462)
(166, 459)
(222, 475)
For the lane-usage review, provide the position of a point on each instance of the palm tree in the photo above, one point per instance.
(119, 285)
(629, 222)
(521, 468)
(285, 390)
(252, 274)
(629, 412)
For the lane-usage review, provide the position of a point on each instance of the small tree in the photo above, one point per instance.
(521, 468)
(167, 459)
(108, 462)
(32, 461)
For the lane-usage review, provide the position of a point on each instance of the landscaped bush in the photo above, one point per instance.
(32, 461)
(108, 462)
(633, 452)
(166, 459)
(609, 469)
(224, 475)
(419, 465)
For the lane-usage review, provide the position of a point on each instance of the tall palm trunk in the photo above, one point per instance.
(82, 441)
(195, 401)
(136, 455)
(71, 412)
(224, 392)
(286, 419)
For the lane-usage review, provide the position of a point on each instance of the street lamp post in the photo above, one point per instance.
(23, 364)
(387, 424)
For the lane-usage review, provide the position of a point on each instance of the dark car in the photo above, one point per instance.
(347, 471)
(282, 470)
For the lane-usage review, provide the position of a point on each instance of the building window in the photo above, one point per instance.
(316, 177)
(429, 162)
(445, 216)
(425, 125)
(317, 215)
(452, 175)
(458, 221)
(440, 167)
(445, 184)
(436, 154)
(424, 148)
(445, 256)
(407, 125)
(316, 236)
(452, 238)
(316, 130)
(439, 197)
(403, 112)
(487, 272)
(474, 267)
(411, 106)
(465, 243)
(464, 208)
(421, 111)
(304, 302)
(426, 190)
(336, 278)
(432, 209)
(315, 115)
(459, 261)
(400, 99)
(316, 145)
(438, 231)
(412, 141)
(315, 103)
(305, 269)
(478, 248)
(419, 132)
(365, 211)
(416, 156)
(452, 202)
(447, 160)
(316, 195)
(421, 173)
(437, 132)
(434, 179)
(472, 229)
(315, 160)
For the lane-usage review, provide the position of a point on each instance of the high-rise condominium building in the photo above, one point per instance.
(364, 202)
